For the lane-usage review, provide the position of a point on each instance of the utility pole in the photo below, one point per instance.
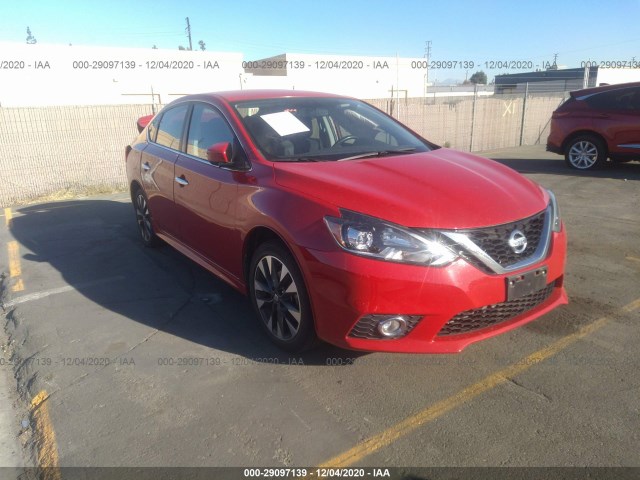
(188, 29)
(427, 55)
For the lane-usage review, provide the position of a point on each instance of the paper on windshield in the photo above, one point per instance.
(284, 123)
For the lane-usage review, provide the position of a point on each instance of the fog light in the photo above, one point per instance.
(384, 327)
(392, 327)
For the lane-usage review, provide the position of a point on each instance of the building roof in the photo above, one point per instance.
(544, 76)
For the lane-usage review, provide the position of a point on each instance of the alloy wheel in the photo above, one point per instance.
(277, 297)
(583, 154)
(143, 217)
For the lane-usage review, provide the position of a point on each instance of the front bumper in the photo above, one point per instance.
(345, 287)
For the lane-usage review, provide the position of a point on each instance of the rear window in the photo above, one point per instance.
(567, 104)
(152, 129)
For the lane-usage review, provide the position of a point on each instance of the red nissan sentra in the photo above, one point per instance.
(342, 224)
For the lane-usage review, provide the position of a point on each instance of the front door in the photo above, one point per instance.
(205, 194)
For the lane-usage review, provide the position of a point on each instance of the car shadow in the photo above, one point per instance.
(94, 246)
(618, 171)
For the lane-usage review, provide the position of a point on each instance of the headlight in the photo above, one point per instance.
(556, 223)
(371, 237)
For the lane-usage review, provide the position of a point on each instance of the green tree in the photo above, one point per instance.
(479, 77)
(203, 46)
(30, 38)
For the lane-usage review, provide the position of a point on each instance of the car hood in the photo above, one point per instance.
(443, 188)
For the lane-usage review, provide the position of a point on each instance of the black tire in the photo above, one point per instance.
(280, 299)
(143, 219)
(585, 152)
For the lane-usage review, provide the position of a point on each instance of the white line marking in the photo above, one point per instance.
(54, 291)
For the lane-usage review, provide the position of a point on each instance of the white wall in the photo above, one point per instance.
(51, 75)
(618, 75)
(356, 76)
(60, 81)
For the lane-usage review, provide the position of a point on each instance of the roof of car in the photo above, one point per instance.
(241, 95)
(604, 88)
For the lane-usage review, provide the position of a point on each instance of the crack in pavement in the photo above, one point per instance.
(529, 390)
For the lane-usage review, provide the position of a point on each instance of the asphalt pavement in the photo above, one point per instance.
(119, 355)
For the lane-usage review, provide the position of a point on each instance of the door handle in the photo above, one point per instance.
(182, 181)
(146, 167)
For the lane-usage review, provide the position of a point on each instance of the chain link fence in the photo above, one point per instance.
(57, 150)
(477, 123)
(80, 149)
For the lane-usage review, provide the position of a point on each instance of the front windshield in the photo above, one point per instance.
(319, 129)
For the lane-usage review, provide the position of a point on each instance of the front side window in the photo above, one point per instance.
(207, 128)
(171, 127)
(324, 129)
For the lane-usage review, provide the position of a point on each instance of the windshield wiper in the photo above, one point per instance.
(380, 153)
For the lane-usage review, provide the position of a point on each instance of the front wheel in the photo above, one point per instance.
(585, 152)
(279, 298)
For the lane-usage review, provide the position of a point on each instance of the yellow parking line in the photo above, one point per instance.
(630, 307)
(8, 216)
(45, 437)
(15, 268)
(18, 286)
(391, 434)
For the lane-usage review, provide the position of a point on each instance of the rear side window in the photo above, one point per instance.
(630, 100)
(620, 100)
(171, 127)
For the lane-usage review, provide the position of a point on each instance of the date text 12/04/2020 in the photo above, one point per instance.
(316, 472)
(371, 63)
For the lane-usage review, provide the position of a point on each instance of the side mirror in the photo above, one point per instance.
(143, 122)
(219, 153)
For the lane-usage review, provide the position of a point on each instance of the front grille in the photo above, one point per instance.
(489, 315)
(367, 327)
(494, 241)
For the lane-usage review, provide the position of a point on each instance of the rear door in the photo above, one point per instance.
(158, 163)
(617, 116)
(205, 195)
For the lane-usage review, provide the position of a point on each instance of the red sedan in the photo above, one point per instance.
(342, 224)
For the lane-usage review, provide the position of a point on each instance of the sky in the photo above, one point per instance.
(459, 30)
